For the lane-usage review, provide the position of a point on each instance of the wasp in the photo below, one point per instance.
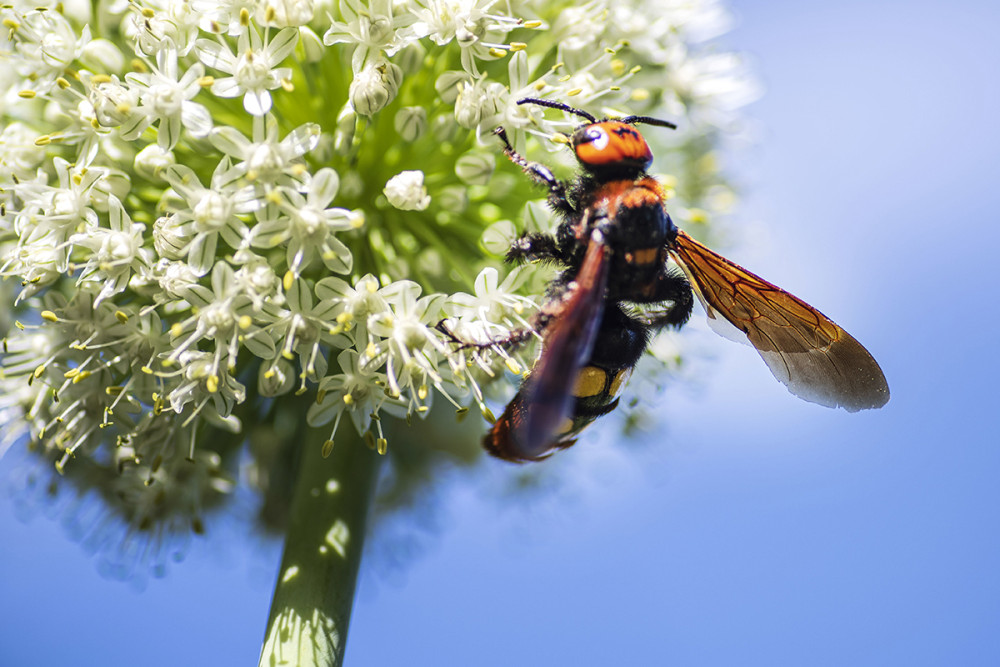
(628, 271)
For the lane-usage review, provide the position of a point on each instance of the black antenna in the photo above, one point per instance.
(632, 120)
(557, 105)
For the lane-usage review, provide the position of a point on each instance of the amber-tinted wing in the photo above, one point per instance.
(812, 356)
(528, 429)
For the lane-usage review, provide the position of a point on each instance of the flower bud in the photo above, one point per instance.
(479, 105)
(151, 160)
(406, 191)
(411, 123)
(447, 85)
(312, 44)
(343, 136)
(475, 168)
(101, 55)
(374, 87)
(21, 154)
(411, 58)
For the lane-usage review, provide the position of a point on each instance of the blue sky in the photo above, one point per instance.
(752, 528)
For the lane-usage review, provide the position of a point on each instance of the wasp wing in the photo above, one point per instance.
(804, 349)
(530, 426)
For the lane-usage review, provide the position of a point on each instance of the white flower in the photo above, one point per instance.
(176, 279)
(266, 159)
(480, 105)
(116, 105)
(254, 67)
(468, 23)
(209, 213)
(258, 281)
(166, 99)
(205, 378)
(475, 168)
(219, 314)
(354, 306)
(714, 84)
(51, 214)
(284, 13)
(227, 17)
(579, 29)
(308, 225)
(406, 191)
(357, 390)
(114, 254)
(103, 55)
(46, 44)
(411, 346)
(302, 326)
(374, 30)
(361, 300)
(494, 306)
(173, 24)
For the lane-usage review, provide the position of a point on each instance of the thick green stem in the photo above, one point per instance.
(311, 608)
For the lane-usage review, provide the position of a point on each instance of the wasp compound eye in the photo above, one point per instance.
(593, 135)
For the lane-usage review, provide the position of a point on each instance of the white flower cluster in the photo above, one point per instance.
(209, 206)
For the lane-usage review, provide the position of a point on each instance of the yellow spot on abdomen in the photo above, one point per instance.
(619, 381)
(565, 427)
(590, 382)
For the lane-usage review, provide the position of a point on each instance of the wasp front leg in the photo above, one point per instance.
(540, 321)
(512, 339)
(539, 173)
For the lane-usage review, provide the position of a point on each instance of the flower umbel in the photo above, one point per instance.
(213, 211)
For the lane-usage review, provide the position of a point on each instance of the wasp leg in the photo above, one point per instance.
(513, 338)
(539, 173)
(670, 286)
(532, 247)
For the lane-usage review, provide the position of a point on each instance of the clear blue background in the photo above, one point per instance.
(753, 529)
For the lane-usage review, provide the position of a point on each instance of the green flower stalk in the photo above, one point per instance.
(220, 217)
